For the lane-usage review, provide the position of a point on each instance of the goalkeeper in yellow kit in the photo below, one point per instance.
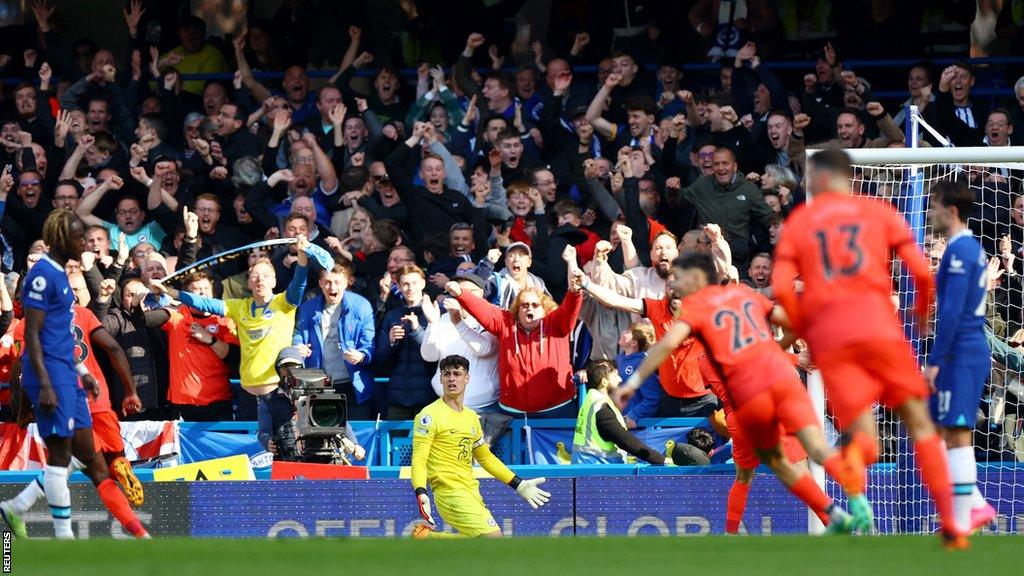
(447, 436)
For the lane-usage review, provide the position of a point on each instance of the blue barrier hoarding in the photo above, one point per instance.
(669, 505)
(593, 506)
(367, 508)
(681, 505)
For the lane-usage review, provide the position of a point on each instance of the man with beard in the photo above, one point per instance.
(131, 218)
(684, 392)
(759, 275)
(651, 281)
(729, 200)
(435, 206)
(26, 102)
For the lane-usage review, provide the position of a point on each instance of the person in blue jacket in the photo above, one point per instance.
(335, 332)
(634, 344)
(398, 356)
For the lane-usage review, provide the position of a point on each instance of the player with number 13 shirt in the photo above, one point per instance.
(841, 248)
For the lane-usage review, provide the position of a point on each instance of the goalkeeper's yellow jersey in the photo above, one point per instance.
(444, 444)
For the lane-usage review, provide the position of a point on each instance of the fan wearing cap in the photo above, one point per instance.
(533, 355)
(456, 332)
(274, 418)
(275, 430)
(515, 277)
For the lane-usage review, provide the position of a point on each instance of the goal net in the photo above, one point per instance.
(904, 177)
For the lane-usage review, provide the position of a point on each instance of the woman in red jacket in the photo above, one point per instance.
(533, 358)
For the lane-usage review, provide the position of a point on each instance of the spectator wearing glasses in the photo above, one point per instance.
(25, 212)
(130, 216)
(533, 358)
(384, 203)
(67, 195)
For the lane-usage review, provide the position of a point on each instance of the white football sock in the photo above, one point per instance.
(977, 500)
(28, 496)
(963, 472)
(58, 495)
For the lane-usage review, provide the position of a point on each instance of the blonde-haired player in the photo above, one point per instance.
(447, 436)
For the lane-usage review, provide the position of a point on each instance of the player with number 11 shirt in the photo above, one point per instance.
(841, 248)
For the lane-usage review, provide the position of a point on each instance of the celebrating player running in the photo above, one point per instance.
(841, 248)
(732, 323)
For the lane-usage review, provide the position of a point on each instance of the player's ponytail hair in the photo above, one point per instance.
(57, 228)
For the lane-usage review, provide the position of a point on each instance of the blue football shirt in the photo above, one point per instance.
(47, 289)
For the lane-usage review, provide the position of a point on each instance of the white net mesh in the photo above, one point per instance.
(901, 503)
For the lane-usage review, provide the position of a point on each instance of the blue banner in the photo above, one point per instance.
(364, 508)
(554, 446)
(675, 504)
(198, 445)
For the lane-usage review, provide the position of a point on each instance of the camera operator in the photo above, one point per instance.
(277, 412)
(274, 417)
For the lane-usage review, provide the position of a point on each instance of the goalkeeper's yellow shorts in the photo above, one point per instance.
(464, 510)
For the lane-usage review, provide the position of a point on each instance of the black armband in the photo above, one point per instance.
(515, 482)
(420, 491)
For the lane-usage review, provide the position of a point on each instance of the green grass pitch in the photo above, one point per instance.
(710, 556)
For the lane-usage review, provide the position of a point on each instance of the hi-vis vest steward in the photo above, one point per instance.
(587, 444)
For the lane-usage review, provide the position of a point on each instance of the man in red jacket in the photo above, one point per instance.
(533, 358)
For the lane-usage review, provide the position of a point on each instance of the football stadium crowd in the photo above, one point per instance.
(499, 149)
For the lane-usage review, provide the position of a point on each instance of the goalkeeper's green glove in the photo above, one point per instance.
(529, 491)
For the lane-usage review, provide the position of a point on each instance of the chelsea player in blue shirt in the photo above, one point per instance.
(49, 376)
(960, 361)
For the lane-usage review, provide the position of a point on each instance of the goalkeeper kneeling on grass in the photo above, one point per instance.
(447, 436)
(601, 436)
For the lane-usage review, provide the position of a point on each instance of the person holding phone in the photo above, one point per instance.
(398, 355)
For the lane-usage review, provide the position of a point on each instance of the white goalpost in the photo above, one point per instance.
(904, 176)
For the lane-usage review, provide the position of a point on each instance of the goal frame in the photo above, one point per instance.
(914, 157)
